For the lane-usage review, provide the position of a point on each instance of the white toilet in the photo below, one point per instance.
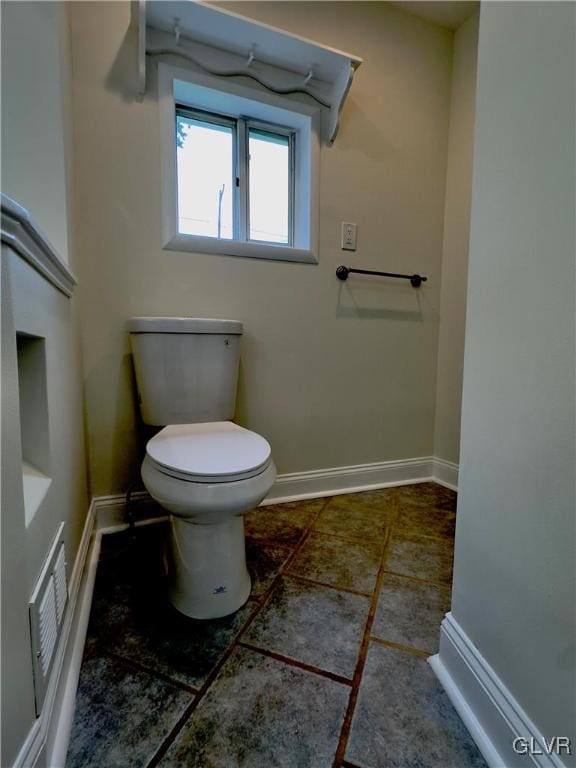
(205, 470)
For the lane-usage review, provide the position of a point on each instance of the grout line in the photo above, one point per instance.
(411, 533)
(416, 534)
(152, 672)
(298, 577)
(400, 647)
(171, 737)
(347, 724)
(352, 539)
(295, 663)
(445, 584)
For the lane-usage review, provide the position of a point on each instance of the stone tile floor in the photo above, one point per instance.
(324, 667)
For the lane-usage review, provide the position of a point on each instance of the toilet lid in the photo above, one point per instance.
(212, 452)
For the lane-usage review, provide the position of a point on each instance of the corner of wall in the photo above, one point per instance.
(454, 269)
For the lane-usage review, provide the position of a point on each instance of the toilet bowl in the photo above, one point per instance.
(207, 476)
(201, 467)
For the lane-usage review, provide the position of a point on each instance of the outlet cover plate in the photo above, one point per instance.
(349, 235)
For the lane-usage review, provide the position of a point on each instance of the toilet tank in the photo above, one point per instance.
(186, 368)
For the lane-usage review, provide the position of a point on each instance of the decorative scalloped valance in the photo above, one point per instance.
(228, 45)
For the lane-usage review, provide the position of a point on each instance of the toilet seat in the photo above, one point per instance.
(213, 452)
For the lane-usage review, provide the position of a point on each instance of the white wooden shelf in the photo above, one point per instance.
(208, 35)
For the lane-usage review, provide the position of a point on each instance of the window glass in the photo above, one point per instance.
(205, 163)
(269, 187)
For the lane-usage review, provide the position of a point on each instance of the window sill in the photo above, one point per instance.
(235, 248)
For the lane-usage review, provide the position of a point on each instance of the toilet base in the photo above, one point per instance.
(206, 564)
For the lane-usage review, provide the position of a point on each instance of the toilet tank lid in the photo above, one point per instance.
(183, 325)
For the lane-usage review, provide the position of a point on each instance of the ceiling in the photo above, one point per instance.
(450, 13)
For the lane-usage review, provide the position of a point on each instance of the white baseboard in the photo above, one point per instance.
(111, 510)
(37, 750)
(360, 477)
(488, 709)
(445, 473)
(59, 733)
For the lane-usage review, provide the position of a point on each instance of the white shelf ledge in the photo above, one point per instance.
(36, 486)
(23, 235)
(221, 39)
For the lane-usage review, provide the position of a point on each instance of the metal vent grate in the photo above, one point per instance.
(47, 608)
(60, 590)
(47, 626)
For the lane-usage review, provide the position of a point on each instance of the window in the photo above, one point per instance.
(235, 178)
(239, 169)
(206, 161)
(271, 184)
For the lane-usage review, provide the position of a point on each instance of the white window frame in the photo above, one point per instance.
(197, 91)
(240, 171)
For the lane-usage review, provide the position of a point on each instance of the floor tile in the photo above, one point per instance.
(316, 625)
(403, 718)
(338, 562)
(121, 716)
(359, 515)
(161, 639)
(427, 495)
(410, 612)
(282, 523)
(426, 521)
(381, 499)
(132, 618)
(265, 559)
(421, 557)
(261, 713)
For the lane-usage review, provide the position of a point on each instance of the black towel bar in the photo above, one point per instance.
(416, 280)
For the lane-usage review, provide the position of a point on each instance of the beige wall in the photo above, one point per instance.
(333, 374)
(35, 117)
(35, 164)
(455, 248)
(514, 578)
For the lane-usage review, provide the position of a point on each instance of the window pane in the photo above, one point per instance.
(269, 155)
(205, 178)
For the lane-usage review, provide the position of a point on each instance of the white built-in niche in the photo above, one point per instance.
(34, 428)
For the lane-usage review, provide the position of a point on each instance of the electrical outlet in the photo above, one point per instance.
(349, 231)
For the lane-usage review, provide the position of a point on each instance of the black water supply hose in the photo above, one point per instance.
(127, 539)
(130, 511)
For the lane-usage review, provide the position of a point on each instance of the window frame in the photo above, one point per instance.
(279, 130)
(241, 127)
(227, 122)
(207, 95)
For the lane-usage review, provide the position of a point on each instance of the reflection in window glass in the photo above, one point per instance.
(205, 175)
(269, 157)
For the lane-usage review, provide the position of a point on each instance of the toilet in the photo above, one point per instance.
(202, 468)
